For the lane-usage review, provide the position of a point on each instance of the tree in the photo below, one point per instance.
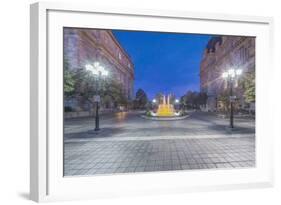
(202, 98)
(87, 85)
(249, 86)
(69, 81)
(159, 97)
(183, 101)
(141, 99)
(223, 99)
(114, 90)
(172, 98)
(193, 99)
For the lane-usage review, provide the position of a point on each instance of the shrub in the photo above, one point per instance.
(148, 113)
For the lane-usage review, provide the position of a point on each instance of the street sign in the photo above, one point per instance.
(96, 98)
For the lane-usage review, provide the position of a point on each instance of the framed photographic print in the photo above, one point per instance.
(127, 102)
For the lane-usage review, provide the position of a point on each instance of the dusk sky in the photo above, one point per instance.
(164, 62)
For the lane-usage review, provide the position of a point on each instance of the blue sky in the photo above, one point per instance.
(164, 62)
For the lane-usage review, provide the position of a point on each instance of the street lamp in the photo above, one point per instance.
(97, 70)
(177, 104)
(154, 104)
(231, 75)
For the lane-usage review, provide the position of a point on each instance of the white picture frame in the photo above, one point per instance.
(46, 180)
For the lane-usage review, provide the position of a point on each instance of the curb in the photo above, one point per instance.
(164, 118)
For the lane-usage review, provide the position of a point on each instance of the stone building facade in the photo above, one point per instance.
(84, 46)
(223, 53)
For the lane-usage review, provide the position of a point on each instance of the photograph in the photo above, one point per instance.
(148, 101)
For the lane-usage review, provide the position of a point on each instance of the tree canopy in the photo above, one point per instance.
(69, 81)
(141, 99)
(194, 99)
(250, 87)
(83, 84)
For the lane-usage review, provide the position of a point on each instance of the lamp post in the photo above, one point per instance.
(154, 104)
(98, 71)
(231, 75)
(177, 104)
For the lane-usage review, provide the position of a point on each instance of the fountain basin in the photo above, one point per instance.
(165, 118)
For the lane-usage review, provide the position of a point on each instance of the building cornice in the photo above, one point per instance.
(121, 48)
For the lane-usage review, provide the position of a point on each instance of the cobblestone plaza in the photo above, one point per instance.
(128, 143)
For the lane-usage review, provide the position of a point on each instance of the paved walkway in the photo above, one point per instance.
(132, 144)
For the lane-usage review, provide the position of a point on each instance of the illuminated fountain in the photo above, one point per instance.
(165, 109)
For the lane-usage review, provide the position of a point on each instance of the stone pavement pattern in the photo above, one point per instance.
(129, 145)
